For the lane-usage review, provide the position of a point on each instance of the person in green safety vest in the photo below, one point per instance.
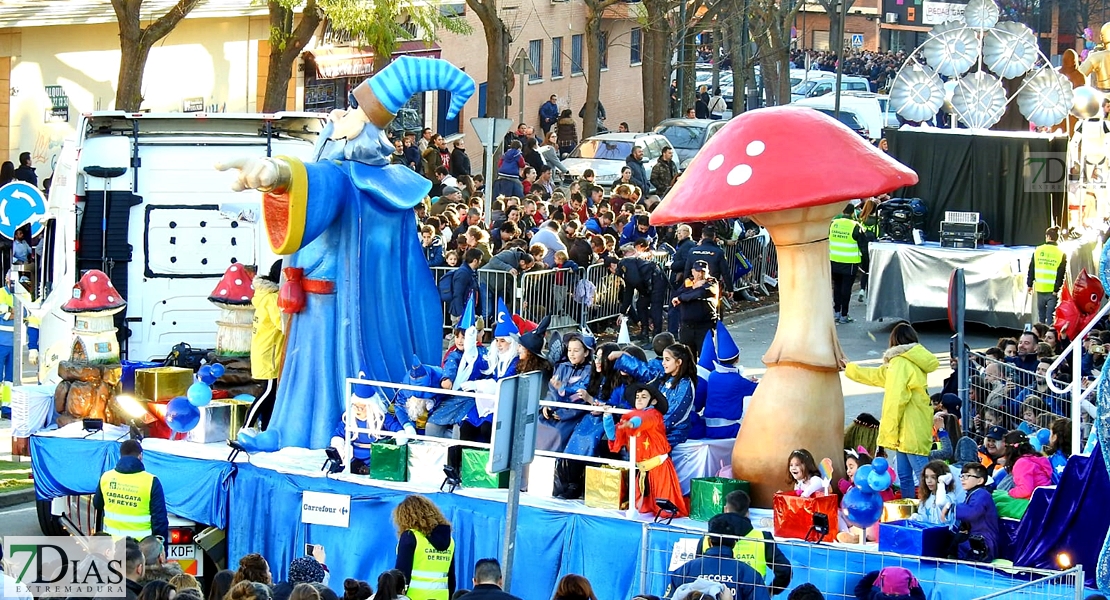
(1046, 275)
(425, 550)
(129, 500)
(848, 253)
(868, 218)
(756, 548)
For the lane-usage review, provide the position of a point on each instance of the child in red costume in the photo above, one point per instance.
(658, 478)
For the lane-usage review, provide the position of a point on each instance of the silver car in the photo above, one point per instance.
(606, 153)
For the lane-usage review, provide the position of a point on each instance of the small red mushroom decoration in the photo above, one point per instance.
(792, 170)
(233, 295)
(94, 302)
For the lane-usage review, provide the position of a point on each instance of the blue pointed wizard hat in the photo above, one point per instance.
(467, 320)
(384, 94)
(417, 370)
(706, 358)
(504, 326)
(727, 350)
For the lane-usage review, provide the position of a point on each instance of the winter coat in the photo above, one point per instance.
(1030, 473)
(717, 564)
(511, 163)
(553, 434)
(680, 262)
(460, 163)
(713, 254)
(698, 305)
(506, 260)
(639, 174)
(944, 452)
(662, 175)
(464, 282)
(981, 516)
(679, 395)
(267, 337)
(434, 253)
(566, 134)
(725, 392)
(906, 424)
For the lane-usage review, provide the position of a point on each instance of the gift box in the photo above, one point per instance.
(606, 487)
(162, 383)
(214, 426)
(389, 462)
(916, 538)
(426, 462)
(899, 510)
(794, 515)
(474, 473)
(707, 495)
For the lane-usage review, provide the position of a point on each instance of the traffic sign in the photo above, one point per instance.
(857, 40)
(20, 203)
(514, 421)
(522, 64)
(490, 131)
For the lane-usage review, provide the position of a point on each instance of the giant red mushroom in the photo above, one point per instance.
(792, 170)
(233, 294)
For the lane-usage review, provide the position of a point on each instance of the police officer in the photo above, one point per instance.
(846, 251)
(1046, 275)
(709, 251)
(646, 280)
(716, 563)
(129, 500)
(697, 301)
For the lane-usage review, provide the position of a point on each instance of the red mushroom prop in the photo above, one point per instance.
(233, 294)
(94, 302)
(792, 170)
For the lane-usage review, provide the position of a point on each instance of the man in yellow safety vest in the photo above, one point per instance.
(1046, 275)
(757, 548)
(847, 243)
(129, 500)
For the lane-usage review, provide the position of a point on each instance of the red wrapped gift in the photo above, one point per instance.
(794, 515)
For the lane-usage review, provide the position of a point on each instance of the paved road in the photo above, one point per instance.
(862, 341)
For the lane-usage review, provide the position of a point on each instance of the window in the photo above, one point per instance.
(576, 54)
(535, 54)
(603, 49)
(556, 57)
(635, 46)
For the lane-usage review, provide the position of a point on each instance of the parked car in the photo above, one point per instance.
(847, 116)
(865, 105)
(605, 154)
(813, 88)
(799, 75)
(687, 136)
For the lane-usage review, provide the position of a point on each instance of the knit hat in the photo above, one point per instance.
(305, 570)
(448, 190)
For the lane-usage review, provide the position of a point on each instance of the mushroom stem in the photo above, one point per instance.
(799, 402)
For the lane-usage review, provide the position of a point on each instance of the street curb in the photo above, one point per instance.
(760, 311)
(8, 499)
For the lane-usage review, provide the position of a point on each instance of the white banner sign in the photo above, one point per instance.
(318, 508)
(935, 13)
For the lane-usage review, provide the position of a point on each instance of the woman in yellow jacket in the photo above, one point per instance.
(267, 342)
(906, 424)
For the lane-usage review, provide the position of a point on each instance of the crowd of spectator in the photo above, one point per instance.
(879, 68)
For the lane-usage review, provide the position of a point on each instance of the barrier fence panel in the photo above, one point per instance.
(551, 293)
(836, 570)
(491, 286)
(605, 307)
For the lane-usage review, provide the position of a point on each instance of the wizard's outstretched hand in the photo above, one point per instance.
(257, 173)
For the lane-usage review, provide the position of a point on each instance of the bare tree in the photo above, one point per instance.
(769, 22)
(594, 9)
(836, 24)
(655, 58)
(135, 44)
(497, 55)
(286, 42)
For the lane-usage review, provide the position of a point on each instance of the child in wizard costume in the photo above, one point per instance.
(346, 221)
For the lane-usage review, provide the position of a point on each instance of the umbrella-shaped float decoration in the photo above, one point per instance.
(752, 167)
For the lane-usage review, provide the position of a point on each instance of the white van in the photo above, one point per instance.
(865, 105)
(812, 88)
(171, 225)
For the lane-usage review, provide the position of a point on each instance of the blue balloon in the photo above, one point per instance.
(181, 415)
(880, 464)
(878, 481)
(862, 474)
(207, 375)
(266, 441)
(218, 370)
(204, 371)
(199, 394)
(861, 508)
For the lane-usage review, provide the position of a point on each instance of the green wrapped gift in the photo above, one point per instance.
(707, 495)
(474, 474)
(389, 462)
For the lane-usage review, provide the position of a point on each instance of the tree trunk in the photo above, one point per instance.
(836, 29)
(686, 94)
(497, 48)
(135, 45)
(286, 43)
(593, 68)
(655, 67)
(132, 63)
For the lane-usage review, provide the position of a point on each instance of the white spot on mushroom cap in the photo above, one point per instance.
(716, 162)
(739, 174)
(233, 269)
(755, 148)
(223, 292)
(93, 279)
(238, 282)
(111, 299)
(244, 298)
(92, 296)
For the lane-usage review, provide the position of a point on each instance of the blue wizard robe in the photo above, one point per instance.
(350, 223)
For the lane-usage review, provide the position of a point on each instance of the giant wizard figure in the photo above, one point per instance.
(361, 294)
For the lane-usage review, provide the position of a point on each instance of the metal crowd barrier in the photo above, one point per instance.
(995, 389)
(550, 293)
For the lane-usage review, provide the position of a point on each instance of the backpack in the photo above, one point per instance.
(585, 292)
(896, 581)
(445, 283)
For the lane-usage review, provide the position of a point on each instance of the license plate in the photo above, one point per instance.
(181, 551)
